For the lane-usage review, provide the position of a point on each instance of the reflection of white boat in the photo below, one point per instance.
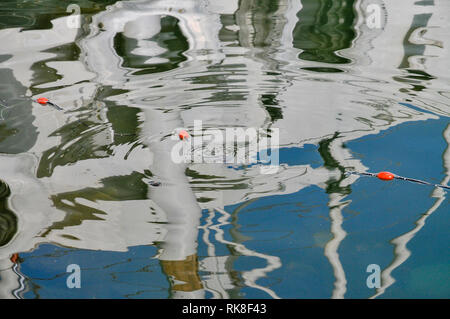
(130, 222)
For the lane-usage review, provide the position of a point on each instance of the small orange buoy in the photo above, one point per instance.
(183, 135)
(14, 258)
(385, 176)
(42, 100)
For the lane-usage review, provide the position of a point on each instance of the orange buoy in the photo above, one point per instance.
(14, 258)
(183, 135)
(386, 176)
(42, 100)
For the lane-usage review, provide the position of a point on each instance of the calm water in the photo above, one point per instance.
(352, 85)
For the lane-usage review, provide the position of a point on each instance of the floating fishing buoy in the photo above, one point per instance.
(14, 258)
(42, 100)
(386, 176)
(45, 101)
(183, 135)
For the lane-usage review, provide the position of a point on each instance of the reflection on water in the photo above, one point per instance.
(77, 185)
(324, 28)
(8, 220)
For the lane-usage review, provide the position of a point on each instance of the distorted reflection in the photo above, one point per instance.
(98, 177)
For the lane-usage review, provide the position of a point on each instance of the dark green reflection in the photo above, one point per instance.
(257, 21)
(416, 80)
(43, 73)
(68, 152)
(271, 104)
(170, 38)
(414, 49)
(17, 132)
(329, 162)
(8, 220)
(323, 70)
(31, 15)
(115, 188)
(101, 126)
(324, 27)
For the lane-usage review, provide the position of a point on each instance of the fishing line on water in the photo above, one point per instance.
(45, 101)
(387, 176)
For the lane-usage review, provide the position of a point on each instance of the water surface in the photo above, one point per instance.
(347, 93)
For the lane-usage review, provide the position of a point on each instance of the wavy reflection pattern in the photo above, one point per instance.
(141, 69)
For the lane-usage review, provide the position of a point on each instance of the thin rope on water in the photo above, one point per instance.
(394, 176)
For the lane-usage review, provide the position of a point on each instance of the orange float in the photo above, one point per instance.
(42, 100)
(183, 135)
(14, 258)
(386, 176)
